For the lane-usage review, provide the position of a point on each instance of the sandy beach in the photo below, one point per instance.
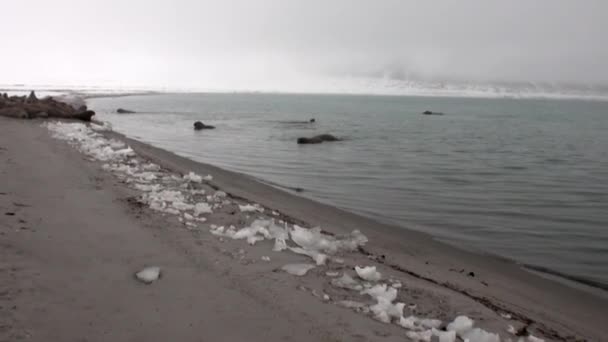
(73, 234)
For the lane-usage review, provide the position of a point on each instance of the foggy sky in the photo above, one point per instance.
(288, 43)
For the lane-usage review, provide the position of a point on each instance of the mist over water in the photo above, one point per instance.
(388, 47)
(524, 179)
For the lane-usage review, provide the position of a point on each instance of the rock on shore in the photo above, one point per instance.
(29, 107)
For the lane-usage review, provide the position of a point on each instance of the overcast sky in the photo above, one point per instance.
(262, 44)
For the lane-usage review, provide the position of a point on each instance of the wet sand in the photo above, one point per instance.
(72, 237)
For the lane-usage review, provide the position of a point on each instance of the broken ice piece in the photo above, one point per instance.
(505, 315)
(297, 269)
(148, 275)
(251, 208)
(208, 178)
(266, 258)
(368, 273)
(347, 282)
(193, 177)
(332, 274)
(460, 325)
(202, 208)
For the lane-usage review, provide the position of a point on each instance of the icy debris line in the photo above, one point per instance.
(162, 191)
(172, 194)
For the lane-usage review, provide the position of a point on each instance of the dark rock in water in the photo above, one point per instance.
(313, 120)
(124, 111)
(428, 112)
(85, 116)
(318, 139)
(199, 125)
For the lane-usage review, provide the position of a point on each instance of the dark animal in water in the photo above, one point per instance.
(313, 120)
(318, 139)
(124, 111)
(428, 112)
(199, 125)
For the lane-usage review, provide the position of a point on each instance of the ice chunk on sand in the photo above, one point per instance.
(181, 206)
(297, 269)
(280, 236)
(479, 335)
(251, 208)
(424, 336)
(382, 291)
(318, 257)
(208, 178)
(266, 258)
(251, 234)
(202, 208)
(314, 239)
(368, 273)
(427, 335)
(147, 187)
(385, 310)
(193, 177)
(220, 194)
(531, 338)
(444, 336)
(347, 282)
(148, 275)
(222, 231)
(417, 324)
(460, 325)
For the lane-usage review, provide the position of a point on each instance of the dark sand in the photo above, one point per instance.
(69, 251)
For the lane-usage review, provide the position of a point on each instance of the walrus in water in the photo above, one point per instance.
(428, 112)
(199, 125)
(318, 139)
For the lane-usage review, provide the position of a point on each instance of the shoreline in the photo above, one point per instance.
(578, 282)
(386, 249)
(104, 221)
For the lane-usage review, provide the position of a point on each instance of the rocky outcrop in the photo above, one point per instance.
(14, 112)
(124, 111)
(32, 107)
(199, 125)
(318, 139)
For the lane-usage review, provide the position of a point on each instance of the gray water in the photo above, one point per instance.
(523, 179)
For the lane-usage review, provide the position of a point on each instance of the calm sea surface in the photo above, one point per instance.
(524, 179)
